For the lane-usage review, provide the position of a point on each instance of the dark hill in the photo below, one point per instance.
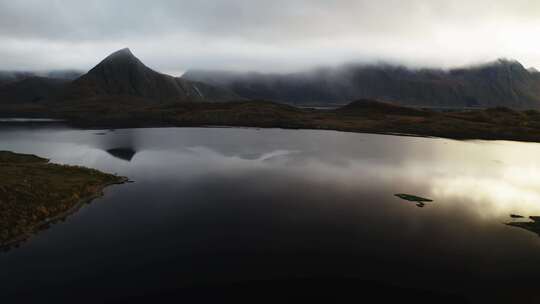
(501, 83)
(123, 75)
(30, 90)
(368, 106)
(9, 76)
(12, 76)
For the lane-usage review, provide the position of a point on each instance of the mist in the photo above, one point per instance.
(278, 36)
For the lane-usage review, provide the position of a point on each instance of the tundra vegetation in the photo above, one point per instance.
(34, 193)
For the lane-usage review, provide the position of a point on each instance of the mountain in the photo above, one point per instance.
(30, 90)
(30, 87)
(500, 83)
(11, 76)
(124, 76)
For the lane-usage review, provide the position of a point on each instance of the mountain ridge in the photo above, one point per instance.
(503, 82)
(7, 76)
(122, 77)
(119, 77)
(33, 89)
(122, 74)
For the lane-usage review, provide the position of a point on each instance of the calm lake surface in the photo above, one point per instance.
(231, 204)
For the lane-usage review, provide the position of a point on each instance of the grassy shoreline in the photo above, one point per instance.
(363, 116)
(35, 193)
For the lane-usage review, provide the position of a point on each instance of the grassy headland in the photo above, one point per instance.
(34, 193)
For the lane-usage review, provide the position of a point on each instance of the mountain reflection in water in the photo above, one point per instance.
(122, 153)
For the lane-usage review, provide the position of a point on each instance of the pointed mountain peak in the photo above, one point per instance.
(122, 74)
(124, 50)
(123, 53)
(119, 63)
(121, 57)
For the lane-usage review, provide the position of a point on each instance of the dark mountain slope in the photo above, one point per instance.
(8, 76)
(123, 75)
(30, 90)
(501, 83)
(12, 76)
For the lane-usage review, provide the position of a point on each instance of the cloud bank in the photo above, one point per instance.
(174, 35)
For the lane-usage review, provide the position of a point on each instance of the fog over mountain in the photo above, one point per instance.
(432, 50)
(120, 77)
(173, 36)
(10, 76)
(500, 83)
(122, 74)
(123, 78)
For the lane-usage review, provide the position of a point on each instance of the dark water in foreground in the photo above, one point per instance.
(215, 206)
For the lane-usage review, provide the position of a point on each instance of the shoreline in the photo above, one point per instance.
(112, 126)
(18, 240)
(362, 116)
(525, 139)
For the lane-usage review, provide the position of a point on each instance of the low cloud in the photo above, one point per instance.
(173, 36)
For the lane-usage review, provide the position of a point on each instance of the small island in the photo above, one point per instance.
(533, 225)
(419, 201)
(35, 193)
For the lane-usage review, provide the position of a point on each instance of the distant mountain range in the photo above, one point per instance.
(122, 74)
(25, 87)
(13, 76)
(501, 83)
(33, 89)
(121, 77)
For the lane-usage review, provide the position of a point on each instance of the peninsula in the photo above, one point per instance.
(35, 193)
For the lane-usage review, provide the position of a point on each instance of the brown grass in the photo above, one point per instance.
(33, 190)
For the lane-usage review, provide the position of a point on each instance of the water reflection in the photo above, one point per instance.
(122, 153)
(256, 204)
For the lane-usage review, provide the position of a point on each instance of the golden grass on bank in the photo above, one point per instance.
(32, 191)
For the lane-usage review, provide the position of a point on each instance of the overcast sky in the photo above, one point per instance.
(279, 35)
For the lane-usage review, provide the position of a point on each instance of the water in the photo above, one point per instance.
(214, 205)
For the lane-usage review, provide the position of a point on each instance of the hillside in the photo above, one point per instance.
(9, 76)
(34, 193)
(123, 75)
(12, 76)
(123, 78)
(366, 116)
(501, 83)
(31, 90)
